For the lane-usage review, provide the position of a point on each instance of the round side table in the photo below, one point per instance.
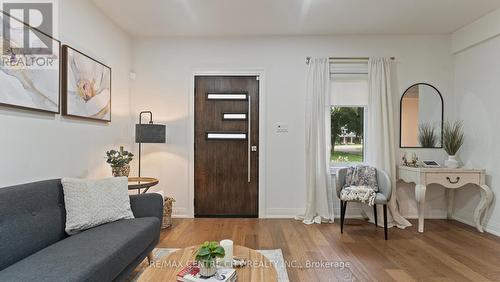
(138, 183)
(166, 268)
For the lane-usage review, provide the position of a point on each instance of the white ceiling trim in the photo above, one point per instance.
(479, 31)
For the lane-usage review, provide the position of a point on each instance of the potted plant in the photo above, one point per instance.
(453, 139)
(119, 161)
(426, 135)
(206, 258)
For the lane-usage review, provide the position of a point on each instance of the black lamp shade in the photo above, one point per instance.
(150, 133)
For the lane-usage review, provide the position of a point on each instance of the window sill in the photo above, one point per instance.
(335, 167)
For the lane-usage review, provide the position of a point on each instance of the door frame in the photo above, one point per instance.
(262, 131)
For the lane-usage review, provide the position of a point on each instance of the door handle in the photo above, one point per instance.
(249, 133)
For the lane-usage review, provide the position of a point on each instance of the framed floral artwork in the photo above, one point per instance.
(29, 75)
(86, 86)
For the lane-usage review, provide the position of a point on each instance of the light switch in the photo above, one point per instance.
(281, 127)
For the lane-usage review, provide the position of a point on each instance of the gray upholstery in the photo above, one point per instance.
(125, 274)
(146, 205)
(98, 254)
(38, 249)
(32, 217)
(384, 185)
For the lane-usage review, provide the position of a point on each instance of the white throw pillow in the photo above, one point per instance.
(91, 203)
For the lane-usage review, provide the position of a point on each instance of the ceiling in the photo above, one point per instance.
(292, 17)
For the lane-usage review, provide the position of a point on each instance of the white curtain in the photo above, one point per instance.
(381, 139)
(319, 201)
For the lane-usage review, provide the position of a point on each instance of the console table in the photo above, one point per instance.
(451, 179)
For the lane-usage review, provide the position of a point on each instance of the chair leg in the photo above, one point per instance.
(343, 207)
(385, 221)
(341, 216)
(375, 214)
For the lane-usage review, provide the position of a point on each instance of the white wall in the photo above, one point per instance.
(37, 146)
(164, 69)
(477, 91)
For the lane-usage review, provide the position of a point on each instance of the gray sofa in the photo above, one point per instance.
(34, 246)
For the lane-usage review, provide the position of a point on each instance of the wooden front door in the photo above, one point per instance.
(226, 158)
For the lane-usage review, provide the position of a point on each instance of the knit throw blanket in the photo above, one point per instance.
(360, 185)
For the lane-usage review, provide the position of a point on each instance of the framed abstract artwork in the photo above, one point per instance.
(86, 86)
(29, 67)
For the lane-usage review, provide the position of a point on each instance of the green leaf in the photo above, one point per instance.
(212, 245)
(453, 137)
(203, 258)
(203, 251)
(219, 252)
(203, 254)
(209, 251)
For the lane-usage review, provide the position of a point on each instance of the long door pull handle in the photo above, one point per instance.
(249, 137)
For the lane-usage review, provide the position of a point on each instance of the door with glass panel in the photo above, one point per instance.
(226, 138)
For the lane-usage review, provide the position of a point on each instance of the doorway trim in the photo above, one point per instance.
(262, 130)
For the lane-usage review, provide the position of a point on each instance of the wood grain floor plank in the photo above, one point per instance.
(400, 275)
(456, 265)
(447, 251)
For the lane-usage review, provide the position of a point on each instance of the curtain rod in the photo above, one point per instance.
(346, 58)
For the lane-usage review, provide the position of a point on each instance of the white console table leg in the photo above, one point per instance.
(486, 198)
(450, 195)
(420, 196)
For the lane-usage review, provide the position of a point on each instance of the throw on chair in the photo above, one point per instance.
(363, 184)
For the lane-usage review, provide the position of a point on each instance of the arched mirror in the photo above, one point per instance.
(421, 120)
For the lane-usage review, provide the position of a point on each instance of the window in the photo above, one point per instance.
(349, 96)
(347, 139)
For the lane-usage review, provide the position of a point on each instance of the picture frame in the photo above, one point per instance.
(34, 86)
(86, 86)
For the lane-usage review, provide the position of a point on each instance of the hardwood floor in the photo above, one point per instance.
(447, 251)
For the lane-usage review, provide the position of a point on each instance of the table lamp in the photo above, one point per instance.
(148, 133)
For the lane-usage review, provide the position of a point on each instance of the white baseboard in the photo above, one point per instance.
(180, 213)
(489, 228)
(293, 212)
(432, 215)
(181, 216)
(282, 212)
